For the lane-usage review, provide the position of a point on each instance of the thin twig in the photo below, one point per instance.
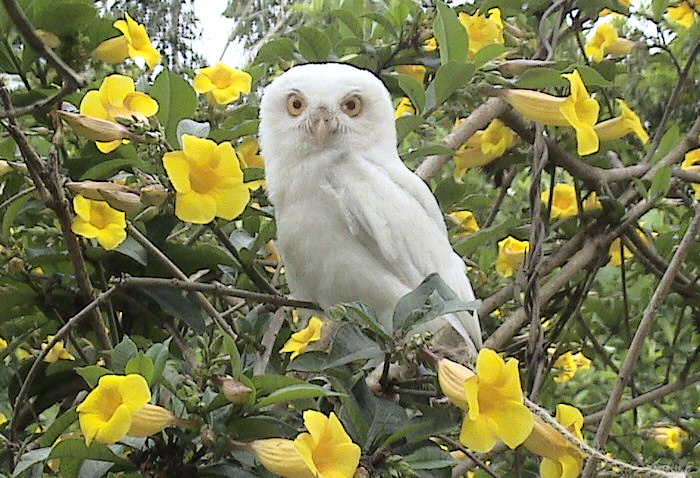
(472, 456)
(640, 335)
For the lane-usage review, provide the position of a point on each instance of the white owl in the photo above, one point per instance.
(353, 222)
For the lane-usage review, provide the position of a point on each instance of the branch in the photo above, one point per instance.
(74, 81)
(45, 103)
(218, 289)
(640, 335)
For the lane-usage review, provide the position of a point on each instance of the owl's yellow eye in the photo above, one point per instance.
(295, 104)
(352, 106)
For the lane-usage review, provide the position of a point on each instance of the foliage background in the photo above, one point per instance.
(182, 337)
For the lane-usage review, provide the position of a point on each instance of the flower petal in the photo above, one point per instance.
(111, 236)
(194, 207)
(514, 422)
(231, 201)
(480, 435)
(115, 428)
(84, 228)
(141, 103)
(178, 169)
(113, 50)
(91, 105)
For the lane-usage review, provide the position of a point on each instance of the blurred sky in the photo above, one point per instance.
(215, 29)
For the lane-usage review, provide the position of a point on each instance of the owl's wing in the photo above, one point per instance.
(394, 214)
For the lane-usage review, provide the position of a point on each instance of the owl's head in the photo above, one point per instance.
(316, 108)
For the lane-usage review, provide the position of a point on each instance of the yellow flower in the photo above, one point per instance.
(417, 72)
(465, 220)
(511, 254)
(106, 413)
(221, 83)
(690, 164)
(404, 108)
(98, 220)
(627, 122)
(495, 405)
(133, 43)
(151, 419)
(117, 98)
(616, 256)
(560, 458)
(568, 364)
(483, 147)
(249, 154)
(57, 352)
(564, 202)
(482, 30)
(606, 41)
(280, 456)
(326, 449)
(3, 419)
(592, 203)
(3, 343)
(298, 342)
(208, 180)
(536, 106)
(684, 14)
(672, 437)
(581, 111)
(430, 44)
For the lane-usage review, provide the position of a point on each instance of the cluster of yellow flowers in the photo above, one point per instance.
(568, 364)
(207, 177)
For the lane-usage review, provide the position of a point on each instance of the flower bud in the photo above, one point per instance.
(452, 377)
(234, 391)
(96, 129)
(149, 420)
(153, 195)
(280, 457)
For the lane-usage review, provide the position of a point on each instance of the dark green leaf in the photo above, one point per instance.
(661, 182)
(413, 90)
(58, 427)
(591, 77)
(176, 101)
(488, 53)
(92, 373)
(451, 36)
(406, 125)
(180, 305)
(429, 458)
(448, 79)
(142, 365)
(468, 245)
(349, 19)
(274, 50)
(539, 78)
(385, 22)
(158, 353)
(314, 45)
(75, 448)
(122, 353)
(349, 345)
(367, 317)
(131, 248)
(106, 169)
(669, 140)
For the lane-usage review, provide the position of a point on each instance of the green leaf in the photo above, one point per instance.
(384, 22)
(11, 213)
(413, 90)
(193, 128)
(406, 125)
(591, 77)
(274, 50)
(367, 317)
(106, 169)
(431, 299)
(142, 365)
(538, 78)
(131, 248)
(349, 19)
(661, 182)
(295, 392)
(314, 45)
(176, 101)
(92, 373)
(158, 353)
(451, 36)
(349, 345)
(448, 79)
(122, 353)
(180, 305)
(31, 458)
(65, 18)
(58, 427)
(426, 151)
(669, 140)
(488, 53)
(429, 458)
(75, 448)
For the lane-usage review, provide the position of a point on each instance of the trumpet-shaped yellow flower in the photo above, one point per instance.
(564, 203)
(465, 220)
(57, 352)
(482, 30)
(568, 364)
(430, 44)
(98, 220)
(106, 413)
(672, 437)
(606, 41)
(417, 72)
(511, 254)
(151, 419)
(221, 84)
(684, 14)
(581, 111)
(483, 147)
(627, 122)
(616, 257)
(299, 341)
(592, 203)
(404, 108)
(495, 405)
(690, 163)
(117, 98)
(560, 458)
(326, 449)
(133, 43)
(249, 154)
(208, 180)
(280, 456)
(3, 343)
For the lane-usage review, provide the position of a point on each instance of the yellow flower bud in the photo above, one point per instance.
(452, 377)
(96, 129)
(280, 457)
(149, 420)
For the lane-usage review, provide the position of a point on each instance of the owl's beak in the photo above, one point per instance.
(321, 125)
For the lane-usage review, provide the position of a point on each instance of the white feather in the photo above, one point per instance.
(353, 222)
